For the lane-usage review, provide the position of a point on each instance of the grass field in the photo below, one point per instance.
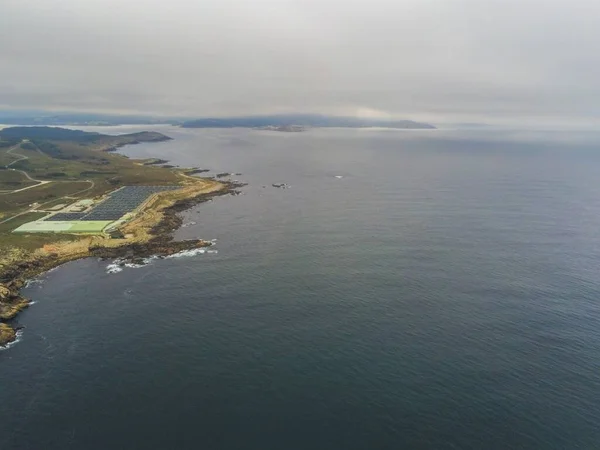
(14, 203)
(11, 180)
(28, 242)
(18, 221)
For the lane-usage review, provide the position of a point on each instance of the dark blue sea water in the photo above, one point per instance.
(443, 294)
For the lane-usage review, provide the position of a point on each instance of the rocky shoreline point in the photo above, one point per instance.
(196, 170)
(7, 334)
(11, 304)
(161, 244)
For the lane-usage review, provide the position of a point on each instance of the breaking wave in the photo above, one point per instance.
(192, 252)
(120, 264)
(34, 282)
(188, 224)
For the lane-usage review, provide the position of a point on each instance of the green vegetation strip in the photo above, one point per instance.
(89, 227)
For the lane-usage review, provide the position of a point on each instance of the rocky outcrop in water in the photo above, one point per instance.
(154, 161)
(196, 170)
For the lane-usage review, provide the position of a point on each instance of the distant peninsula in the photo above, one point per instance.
(273, 122)
(283, 128)
(299, 121)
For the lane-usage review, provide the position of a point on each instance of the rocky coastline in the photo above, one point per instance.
(160, 243)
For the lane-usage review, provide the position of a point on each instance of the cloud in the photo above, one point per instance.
(437, 59)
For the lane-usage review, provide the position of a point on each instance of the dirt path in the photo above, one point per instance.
(29, 177)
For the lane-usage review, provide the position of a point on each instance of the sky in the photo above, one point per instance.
(433, 60)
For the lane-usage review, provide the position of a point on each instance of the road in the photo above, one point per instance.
(21, 158)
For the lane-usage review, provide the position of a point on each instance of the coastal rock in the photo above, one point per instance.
(154, 161)
(7, 334)
(5, 293)
(9, 310)
(196, 170)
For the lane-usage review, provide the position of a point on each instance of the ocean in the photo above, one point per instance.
(432, 289)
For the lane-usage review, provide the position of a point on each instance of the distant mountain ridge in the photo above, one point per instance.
(40, 118)
(64, 134)
(304, 120)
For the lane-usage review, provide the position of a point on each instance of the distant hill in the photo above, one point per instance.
(42, 118)
(64, 134)
(305, 120)
(52, 133)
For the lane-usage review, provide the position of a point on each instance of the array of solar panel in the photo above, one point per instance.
(65, 217)
(123, 201)
(117, 204)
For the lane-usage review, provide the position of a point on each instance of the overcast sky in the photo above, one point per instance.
(437, 60)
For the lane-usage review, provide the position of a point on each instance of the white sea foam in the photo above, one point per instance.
(118, 265)
(192, 252)
(339, 176)
(185, 225)
(114, 268)
(184, 253)
(34, 282)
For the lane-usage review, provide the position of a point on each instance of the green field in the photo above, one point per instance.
(17, 202)
(11, 180)
(27, 242)
(7, 227)
(79, 227)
